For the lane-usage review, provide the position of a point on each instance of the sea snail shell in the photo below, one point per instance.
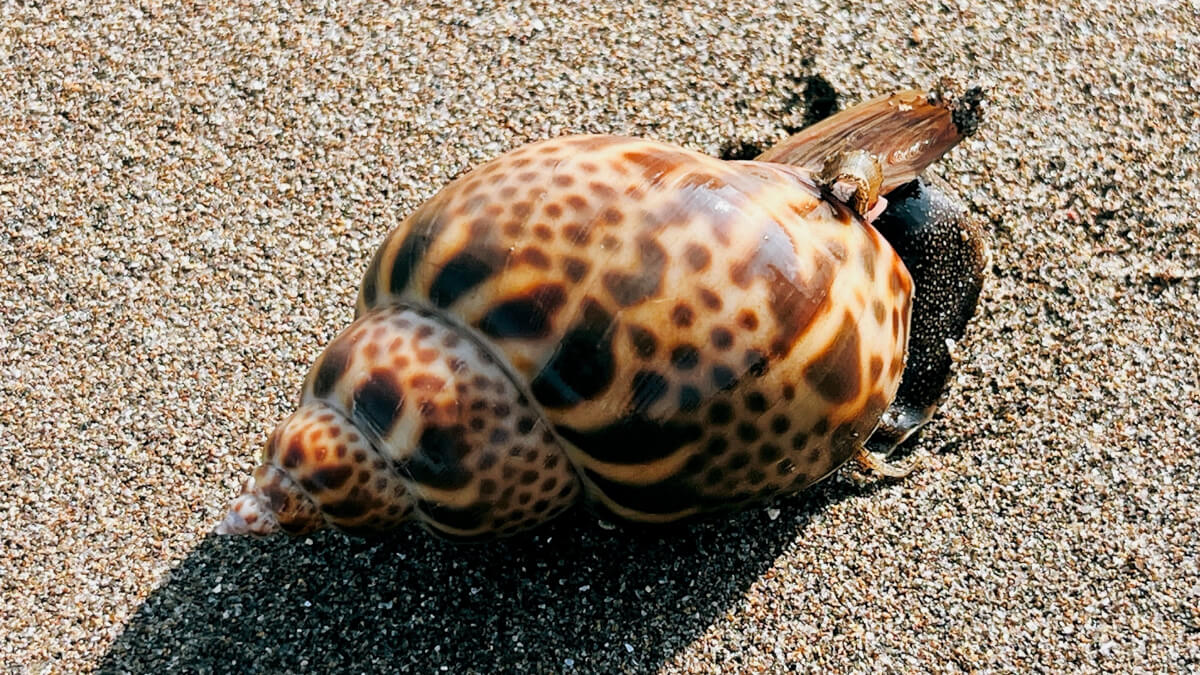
(643, 328)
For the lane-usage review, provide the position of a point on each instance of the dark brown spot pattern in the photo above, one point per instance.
(711, 370)
(644, 342)
(721, 338)
(333, 363)
(525, 317)
(711, 300)
(698, 257)
(682, 315)
(629, 289)
(575, 268)
(377, 403)
(836, 371)
(584, 365)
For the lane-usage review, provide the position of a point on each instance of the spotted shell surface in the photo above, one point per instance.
(686, 334)
(629, 325)
(649, 330)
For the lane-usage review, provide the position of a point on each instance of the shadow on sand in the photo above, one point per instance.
(569, 596)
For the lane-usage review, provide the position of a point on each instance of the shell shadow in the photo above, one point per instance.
(567, 596)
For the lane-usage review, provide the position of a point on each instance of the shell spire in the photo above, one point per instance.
(405, 418)
(248, 514)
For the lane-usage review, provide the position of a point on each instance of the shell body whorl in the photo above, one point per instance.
(697, 333)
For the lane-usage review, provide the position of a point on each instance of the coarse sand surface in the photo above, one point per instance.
(189, 193)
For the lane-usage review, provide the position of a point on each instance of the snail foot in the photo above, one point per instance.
(871, 462)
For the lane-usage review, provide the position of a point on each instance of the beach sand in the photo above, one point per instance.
(189, 195)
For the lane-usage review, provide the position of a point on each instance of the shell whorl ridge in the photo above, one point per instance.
(644, 328)
(403, 418)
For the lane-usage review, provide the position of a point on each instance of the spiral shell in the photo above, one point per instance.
(653, 331)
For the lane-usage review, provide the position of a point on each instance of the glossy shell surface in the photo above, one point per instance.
(694, 334)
